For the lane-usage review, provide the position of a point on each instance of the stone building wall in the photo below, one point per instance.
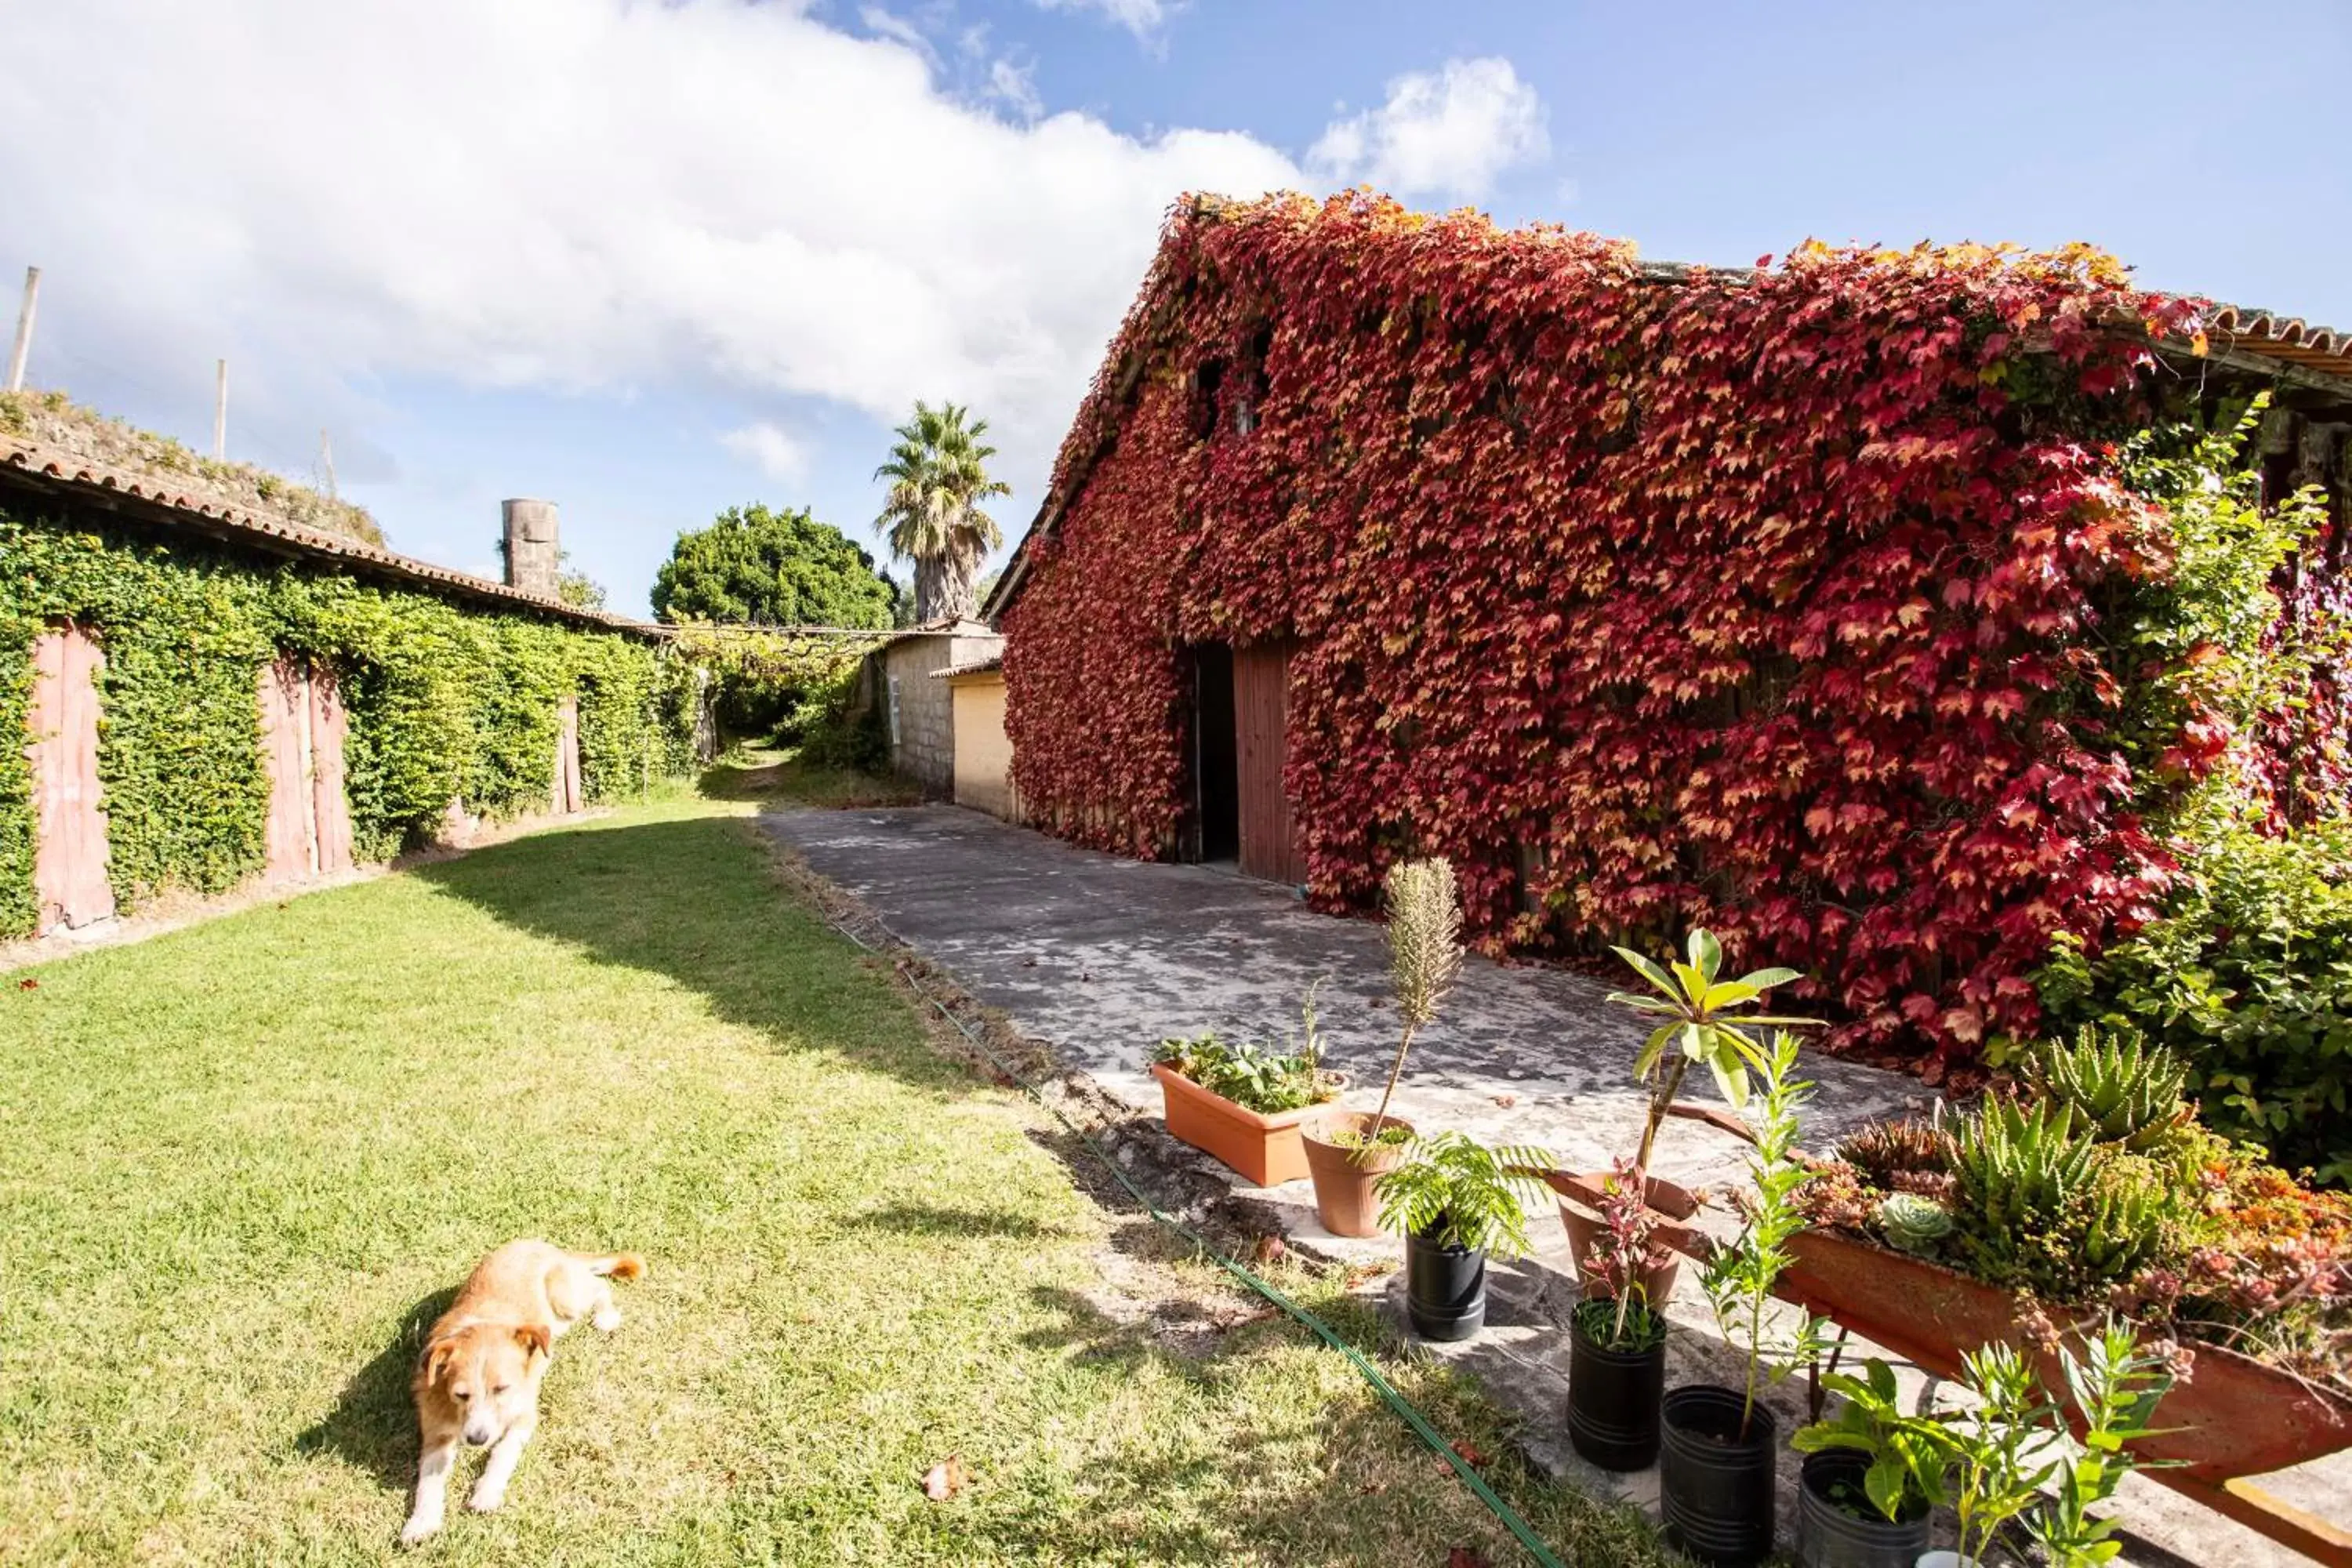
(921, 711)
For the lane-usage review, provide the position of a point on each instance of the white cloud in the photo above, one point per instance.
(1016, 86)
(1141, 17)
(734, 202)
(1450, 132)
(775, 451)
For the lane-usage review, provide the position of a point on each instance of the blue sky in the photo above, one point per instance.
(650, 260)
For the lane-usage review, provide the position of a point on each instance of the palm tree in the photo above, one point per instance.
(939, 477)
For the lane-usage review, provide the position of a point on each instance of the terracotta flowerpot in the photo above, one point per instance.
(1344, 1199)
(1263, 1149)
(1580, 1214)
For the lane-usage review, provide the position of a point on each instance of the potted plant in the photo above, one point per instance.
(1348, 1151)
(1717, 1450)
(2115, 1387)
(1990, 1443)
(1700, 1019)
(1617, 1343)
(1240, 1102)
(1871, 1477)
(1456, 1202)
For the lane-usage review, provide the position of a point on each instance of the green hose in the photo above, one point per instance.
(1323, 1330)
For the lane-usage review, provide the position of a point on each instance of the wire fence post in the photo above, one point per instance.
(24, 329)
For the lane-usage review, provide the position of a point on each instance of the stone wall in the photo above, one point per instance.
(920, 711)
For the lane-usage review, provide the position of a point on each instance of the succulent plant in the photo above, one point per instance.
(2130, 1206)
(2019, 1170)
(2127, 1090)
(1912, 1224)
(1884, 1150)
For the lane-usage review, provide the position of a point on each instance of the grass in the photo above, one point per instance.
(242, 1165)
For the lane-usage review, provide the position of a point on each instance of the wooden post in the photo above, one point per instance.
(24, 329)
(327, 461)
(220, 413)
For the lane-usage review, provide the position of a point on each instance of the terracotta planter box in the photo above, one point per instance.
(1263, 1149)
(2233, 1416)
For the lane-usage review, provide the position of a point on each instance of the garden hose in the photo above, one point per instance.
(1371, 1374)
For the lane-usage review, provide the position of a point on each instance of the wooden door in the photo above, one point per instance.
(303, 727)
(285, 715)
(331, 811)
(565, 796)
(69, 851)
(1261, 735)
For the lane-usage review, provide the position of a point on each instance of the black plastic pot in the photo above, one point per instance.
(1445, 1289)
(1613, 1401)
(1830, 1536)
(1716, 1487)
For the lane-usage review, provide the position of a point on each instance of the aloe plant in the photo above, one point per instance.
(1702, 1020)
(2129, 1091)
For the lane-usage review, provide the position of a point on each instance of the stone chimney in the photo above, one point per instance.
(533, 553)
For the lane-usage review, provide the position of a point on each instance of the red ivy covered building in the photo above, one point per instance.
(1649, 595)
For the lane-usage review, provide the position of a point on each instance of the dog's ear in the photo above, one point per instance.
(535, 1337)
(437, 1357)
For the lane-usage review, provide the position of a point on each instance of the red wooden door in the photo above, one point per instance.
(68, 829)
(1269, 846)
(566, 794)
(303, 726)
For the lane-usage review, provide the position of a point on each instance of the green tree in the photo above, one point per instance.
(771, 568)
(938, 475)
(576, 588)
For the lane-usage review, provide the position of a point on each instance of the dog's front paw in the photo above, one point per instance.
(419, 1531)
(487, 1500)
(606, 1319)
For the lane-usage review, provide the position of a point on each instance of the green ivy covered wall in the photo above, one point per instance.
(444, 702)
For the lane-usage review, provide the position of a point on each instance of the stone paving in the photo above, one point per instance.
(1102, 957)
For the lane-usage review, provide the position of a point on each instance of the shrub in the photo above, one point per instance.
(2247, 978)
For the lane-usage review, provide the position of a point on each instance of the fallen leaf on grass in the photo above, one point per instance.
(1270, 1249)
(29, 985)
(1472, 1455)
(946, 1479)
(1466, 1557)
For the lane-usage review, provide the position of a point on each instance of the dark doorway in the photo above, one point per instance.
(1215, 767)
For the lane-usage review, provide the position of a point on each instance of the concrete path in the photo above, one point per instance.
(1101, 958)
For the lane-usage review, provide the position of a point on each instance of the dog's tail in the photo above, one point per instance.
(619, 1265)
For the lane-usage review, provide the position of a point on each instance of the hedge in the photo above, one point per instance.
(444, 703)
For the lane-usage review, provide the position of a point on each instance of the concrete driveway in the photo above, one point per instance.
(1105, 957)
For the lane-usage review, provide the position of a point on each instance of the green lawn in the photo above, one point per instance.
(243, 1164)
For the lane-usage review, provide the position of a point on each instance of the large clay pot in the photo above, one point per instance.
(1344, 1199)
(1579, 1195)
(1264, 1149)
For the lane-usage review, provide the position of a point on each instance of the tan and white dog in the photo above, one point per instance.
(479, 1376)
